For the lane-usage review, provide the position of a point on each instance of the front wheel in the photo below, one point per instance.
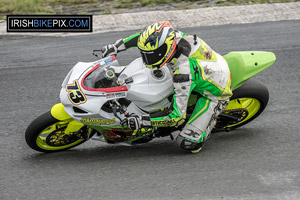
(246, 104)
(47, 134)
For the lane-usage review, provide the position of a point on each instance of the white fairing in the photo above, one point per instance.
(146, 91)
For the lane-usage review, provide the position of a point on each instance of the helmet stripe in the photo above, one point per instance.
(163, 36)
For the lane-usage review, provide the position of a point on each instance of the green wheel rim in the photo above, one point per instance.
(250, 105)
(58, 127)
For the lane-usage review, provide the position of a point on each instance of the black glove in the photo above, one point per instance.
(137, 122)
(113, 49)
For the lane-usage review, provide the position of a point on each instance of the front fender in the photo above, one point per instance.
(59, 113)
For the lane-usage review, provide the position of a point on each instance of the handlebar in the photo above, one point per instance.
(100, 50)
(95, 52)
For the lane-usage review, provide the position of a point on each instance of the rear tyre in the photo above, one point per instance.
(247, 103)
(47, 134)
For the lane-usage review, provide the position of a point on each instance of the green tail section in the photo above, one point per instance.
(246, 64)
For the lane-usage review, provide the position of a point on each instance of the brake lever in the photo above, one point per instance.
(118, 107)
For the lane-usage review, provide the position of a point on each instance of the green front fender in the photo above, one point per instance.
(246, 64)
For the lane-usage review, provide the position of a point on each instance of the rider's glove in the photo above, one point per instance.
(113, 49)
(138, 122)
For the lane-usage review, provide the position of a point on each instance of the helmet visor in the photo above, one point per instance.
(152, 57)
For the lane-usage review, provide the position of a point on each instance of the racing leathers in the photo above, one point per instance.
(195, 68)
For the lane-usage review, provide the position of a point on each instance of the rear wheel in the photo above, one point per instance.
(247, 103)
(47, 134)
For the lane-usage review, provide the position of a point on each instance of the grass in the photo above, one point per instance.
(38, 6)
(21, 7)
(106, 6)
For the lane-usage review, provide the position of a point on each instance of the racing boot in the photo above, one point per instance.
(191, 138)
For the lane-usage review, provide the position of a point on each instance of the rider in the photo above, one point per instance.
(195, 68)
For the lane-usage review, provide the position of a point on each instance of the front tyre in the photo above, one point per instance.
(47, 134)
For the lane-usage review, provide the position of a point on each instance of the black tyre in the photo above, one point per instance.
(47, 134)
(246, 104)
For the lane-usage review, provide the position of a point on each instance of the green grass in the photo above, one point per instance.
(21, 6)
(37, 6)
(105, 6)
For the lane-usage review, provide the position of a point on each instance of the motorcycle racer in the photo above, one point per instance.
(195, 68)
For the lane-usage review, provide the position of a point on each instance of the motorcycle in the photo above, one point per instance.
(97, 96)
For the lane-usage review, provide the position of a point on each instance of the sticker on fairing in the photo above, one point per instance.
(116, 95)
(75, 95)
(97, 121)
(103, 62)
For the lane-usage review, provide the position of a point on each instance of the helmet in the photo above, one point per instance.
(157, 44)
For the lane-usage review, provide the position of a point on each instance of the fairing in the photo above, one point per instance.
(85, 100)
(246, 64)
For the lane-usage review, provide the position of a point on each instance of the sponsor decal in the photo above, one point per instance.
(103, 62)
(95, 121)
(205, 51)
(167, 122)
(196, 70)
(116, 95)
(192, 133)
(207, 71)
(161, 123)
(208, 54)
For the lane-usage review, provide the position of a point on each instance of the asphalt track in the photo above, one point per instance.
(258, 161)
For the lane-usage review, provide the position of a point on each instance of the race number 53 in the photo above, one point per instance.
(75, 95)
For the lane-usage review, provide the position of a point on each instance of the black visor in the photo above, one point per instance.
(152, 57)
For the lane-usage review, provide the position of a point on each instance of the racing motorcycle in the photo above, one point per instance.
(97, 96)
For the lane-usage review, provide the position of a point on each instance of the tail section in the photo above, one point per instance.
(246, 64)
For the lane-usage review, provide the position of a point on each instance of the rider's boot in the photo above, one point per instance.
(192, 138)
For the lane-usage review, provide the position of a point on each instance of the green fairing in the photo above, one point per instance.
(246, 64)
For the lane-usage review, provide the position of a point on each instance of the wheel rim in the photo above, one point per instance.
(248, 107)
(54, 137)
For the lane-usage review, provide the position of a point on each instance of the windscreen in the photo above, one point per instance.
(101, 77)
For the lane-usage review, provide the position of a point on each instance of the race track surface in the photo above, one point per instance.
(258, 161)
